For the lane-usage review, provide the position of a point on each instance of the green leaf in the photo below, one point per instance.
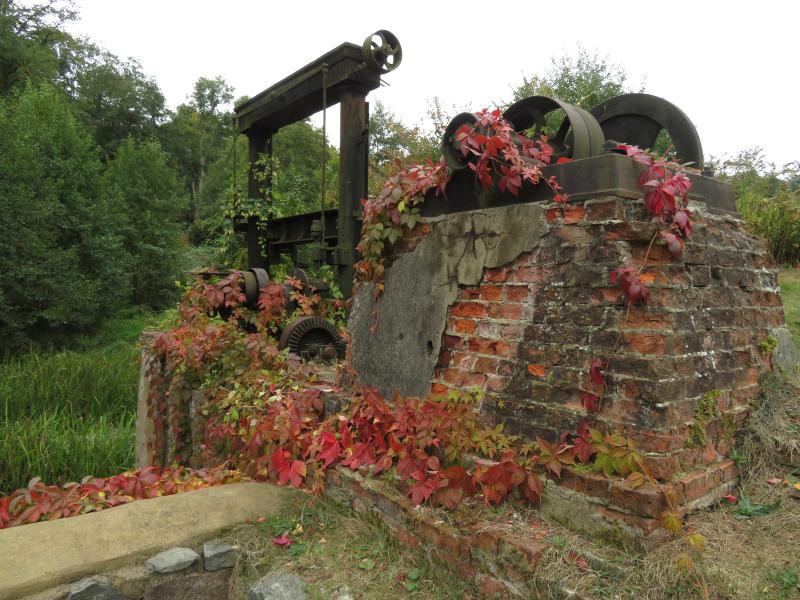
(414, 574)
(366, 564)
(411, 586)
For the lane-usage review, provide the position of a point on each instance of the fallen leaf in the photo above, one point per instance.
(260, 519)
(282, 540)
(366, 564)
(536, 370)
(775, 480)
(731, 498)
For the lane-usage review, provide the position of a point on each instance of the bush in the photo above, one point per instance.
(776, 218)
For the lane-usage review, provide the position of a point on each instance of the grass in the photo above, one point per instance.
(336, 551)
(70, 413)
(789, 279)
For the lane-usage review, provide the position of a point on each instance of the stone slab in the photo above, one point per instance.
(122, 536)
(423, 283)
(172, 560)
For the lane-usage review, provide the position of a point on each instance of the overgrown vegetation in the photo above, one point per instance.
(68, 414)
(336, 551)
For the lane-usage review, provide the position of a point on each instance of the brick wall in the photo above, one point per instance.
(684, 366)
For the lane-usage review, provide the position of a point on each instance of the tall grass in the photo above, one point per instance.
(777, 219)
(68, 414)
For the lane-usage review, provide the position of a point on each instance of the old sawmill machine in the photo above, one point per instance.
(345, 76)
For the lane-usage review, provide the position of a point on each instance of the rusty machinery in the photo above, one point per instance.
(346, 74)
(343, 76)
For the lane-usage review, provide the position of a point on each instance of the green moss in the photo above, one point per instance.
(767, 347)
(705, 411)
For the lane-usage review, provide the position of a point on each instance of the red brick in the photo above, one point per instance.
(449, 342)
(647, 500)
(491, 293)
(406, 538)
(573, 214)
(468, 309)
(496, 383)
(517, 293)
(439, 388)
(693, 485)
(574, 235)
(645, 343)
(485, 364)
(491, 587)
(661, 467)
(464, 326)
(604, 210)
(475, 380)
(533, 274)
(511, 331)
(470, 293)
(510, 311)
(444, 359)
(464, 361)
(454, 377)
(496, 275)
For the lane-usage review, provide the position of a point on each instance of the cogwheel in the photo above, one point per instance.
(313, 338)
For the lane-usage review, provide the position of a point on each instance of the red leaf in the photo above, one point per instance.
(596, 371)
(282, 540)
(590, 402)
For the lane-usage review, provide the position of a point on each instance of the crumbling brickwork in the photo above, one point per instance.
(683, 367)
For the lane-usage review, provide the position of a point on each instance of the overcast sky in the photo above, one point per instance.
(731, 66)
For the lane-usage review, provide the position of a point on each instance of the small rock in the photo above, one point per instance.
(218, 555)
(278, 585)
(172, 560)
(93, 589)
(343, 593)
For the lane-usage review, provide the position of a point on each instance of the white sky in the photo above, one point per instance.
(731, 66)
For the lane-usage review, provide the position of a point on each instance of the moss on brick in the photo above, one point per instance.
(705, 411)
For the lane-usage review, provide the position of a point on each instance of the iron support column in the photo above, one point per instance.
(260, 144)
(352, 181)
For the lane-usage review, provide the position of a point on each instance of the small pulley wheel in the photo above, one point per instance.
(312, 338)
(382, 52)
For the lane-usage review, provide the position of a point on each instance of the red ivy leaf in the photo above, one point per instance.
(590, 402)
(596, 371)
(282, 540)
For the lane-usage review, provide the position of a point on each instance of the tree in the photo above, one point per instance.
(61, 253)
(34, 46)
(115, 100)
(585, 80)
(390, 140)
(153, 203)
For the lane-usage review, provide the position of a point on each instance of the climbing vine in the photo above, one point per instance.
(491, 149)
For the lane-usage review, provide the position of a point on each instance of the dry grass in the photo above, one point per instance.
(336, 550)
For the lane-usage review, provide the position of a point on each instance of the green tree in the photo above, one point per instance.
(584, 79)
(115, 99)
(34, 46)
(194, 136)
(153, 204)
(61, 253)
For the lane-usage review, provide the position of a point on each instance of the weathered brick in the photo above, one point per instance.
(573, 214)
(463, 326)
(491, 293)
(517, 293)
(604, 210)
(496, 275)
(486, 364)
(468, 309)
(693, 485)
(648, 500)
